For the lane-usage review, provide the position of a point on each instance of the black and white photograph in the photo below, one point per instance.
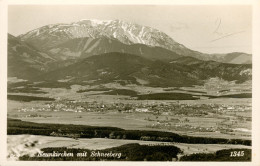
(130, 82)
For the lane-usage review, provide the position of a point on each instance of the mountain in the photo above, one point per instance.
(136, 64)
(234, 58)
(96, 52)
(24, 60)
(49, 37)
(86, 47)
(132, 69)
(125, 32)
(226, 71)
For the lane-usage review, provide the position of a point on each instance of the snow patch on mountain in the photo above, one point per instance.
(125, 32)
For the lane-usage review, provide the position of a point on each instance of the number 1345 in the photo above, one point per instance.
(237, 153)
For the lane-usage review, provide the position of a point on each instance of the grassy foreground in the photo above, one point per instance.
(134, 152)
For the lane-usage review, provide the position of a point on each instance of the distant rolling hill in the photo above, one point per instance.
(233, 58)
(132, 69)
(226, 71)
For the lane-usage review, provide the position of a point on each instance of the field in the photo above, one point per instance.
(194, 120)
(201, 111)
(138, 121)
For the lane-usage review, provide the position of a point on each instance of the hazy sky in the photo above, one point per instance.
(209, 29)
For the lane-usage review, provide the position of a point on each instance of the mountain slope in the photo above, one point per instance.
(85, 47)
(130, 69)
(233, 58)
(24, 60)
(226, 71)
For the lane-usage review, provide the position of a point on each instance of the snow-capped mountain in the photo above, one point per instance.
(126, 32)
(51, 38)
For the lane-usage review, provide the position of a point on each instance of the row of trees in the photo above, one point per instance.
(82, 131)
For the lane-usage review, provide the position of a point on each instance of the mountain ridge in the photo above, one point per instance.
(49, 36)
(27, 62)
(127, 69)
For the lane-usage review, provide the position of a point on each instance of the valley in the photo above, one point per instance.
(115, 105)
(119, 86)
